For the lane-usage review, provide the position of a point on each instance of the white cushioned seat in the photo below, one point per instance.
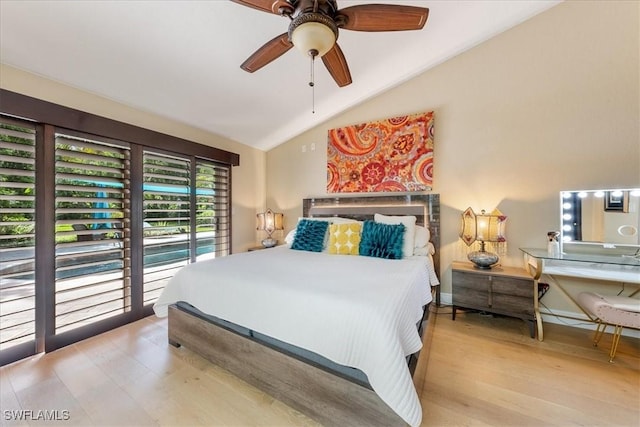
(611, 310)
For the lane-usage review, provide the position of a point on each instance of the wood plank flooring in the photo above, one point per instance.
(477, 370)
(485, 370)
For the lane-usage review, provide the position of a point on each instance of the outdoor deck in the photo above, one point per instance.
(91, 282)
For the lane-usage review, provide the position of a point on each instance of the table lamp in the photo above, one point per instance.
(269, 222)
(482, 228)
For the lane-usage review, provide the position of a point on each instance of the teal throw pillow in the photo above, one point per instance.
(382, 240)
(310, 235)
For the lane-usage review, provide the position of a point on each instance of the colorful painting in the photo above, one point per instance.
(389, 155)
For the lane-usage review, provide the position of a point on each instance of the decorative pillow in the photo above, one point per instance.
(422, 237)
(344, 239)
(321, 218)
(310, 235)
(382, 240)
(292, 234)
(409, 233)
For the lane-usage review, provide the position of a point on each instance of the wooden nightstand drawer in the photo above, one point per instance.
(513, 286)
(471, 298)
(512, 305)
(469, 280)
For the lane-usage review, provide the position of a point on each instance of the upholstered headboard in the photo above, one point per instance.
(425, 207)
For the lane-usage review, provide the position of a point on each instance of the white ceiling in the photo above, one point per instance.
(181, 59)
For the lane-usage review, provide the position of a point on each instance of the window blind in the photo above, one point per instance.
(92, 254)
(17, 233)
(93, 262)
(167, 220)
(212, 209)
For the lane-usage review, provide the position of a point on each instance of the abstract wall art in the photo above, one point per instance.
(394, 154)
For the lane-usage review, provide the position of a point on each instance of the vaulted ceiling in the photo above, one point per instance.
(181, 59)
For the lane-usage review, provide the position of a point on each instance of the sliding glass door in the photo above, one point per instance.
(92, 253)
(92, 228)
(186, 205)
(167, 220)
(17, 237)
(213, 231)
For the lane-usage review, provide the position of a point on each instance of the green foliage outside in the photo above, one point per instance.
(85, 166)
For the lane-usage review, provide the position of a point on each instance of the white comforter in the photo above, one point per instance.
(354, 310)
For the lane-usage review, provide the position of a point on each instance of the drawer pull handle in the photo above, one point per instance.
(490, 291)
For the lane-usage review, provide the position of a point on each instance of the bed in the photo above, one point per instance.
(334, 336)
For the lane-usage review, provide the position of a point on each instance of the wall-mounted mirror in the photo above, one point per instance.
(601, 216)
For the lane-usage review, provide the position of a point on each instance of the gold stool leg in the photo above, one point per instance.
(599, 333)
(614, 344)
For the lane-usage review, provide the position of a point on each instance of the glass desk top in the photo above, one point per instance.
(629, 260)
(610, 268)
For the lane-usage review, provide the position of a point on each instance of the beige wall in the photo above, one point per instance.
(248, 179)
(550, 105)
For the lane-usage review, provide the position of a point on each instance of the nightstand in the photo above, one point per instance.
(258, 248)
(509, 291)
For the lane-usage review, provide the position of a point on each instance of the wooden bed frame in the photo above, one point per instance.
(323, 396)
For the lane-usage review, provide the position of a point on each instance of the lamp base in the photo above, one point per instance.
(483, 260)
(269, 242)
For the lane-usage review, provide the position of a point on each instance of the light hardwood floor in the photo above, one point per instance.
(478, 370)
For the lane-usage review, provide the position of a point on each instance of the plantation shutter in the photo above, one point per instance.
(212, 209)
(167, 220)
(170, 222)
(78, 265)
(92, 253)
(17, 234)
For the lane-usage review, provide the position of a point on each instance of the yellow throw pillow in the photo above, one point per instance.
(344, 239)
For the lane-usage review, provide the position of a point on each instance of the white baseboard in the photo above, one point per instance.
(445, 299)
(567, 318)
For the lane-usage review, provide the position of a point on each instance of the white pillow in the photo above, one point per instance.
(425, 250)
(422, 237)
(409, 222)
(290, 237)
(341, 220)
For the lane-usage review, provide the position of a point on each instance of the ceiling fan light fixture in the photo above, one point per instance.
(313, 32)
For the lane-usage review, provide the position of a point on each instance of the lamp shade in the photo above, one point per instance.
(468, 227)
(482, 228)
(269, 222)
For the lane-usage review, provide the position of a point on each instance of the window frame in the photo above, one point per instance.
(49, 119)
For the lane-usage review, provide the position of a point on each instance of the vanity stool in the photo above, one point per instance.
(611, 310)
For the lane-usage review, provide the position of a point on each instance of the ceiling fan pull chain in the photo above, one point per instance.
(313, 53)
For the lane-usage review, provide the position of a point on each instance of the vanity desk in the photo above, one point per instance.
(610, 268)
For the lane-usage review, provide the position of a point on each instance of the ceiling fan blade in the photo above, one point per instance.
(271, 50)
(384, 17)
(337, 65)
(269, 6)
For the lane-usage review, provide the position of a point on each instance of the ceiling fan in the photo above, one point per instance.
(314, 29)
